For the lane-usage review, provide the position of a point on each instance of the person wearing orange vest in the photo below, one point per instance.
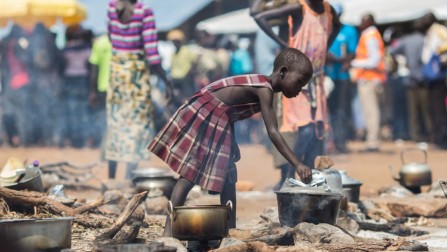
(369, 72)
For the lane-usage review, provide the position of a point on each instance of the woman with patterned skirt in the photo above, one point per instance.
(129, 106)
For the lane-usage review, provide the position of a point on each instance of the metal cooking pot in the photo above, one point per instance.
(202, 222)
(41, 234)
(351, 187)
(154, 180)
(413, 174)
(31, 184)
(333, 179)
(307, 204)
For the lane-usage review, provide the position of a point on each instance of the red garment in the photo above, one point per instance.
(18, 72)
(196, 141)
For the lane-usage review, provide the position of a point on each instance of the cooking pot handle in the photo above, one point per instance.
(414, 149)
(229, 204)
(443, 185)
(171, 211)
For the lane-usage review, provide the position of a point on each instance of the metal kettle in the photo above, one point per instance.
(413, 174)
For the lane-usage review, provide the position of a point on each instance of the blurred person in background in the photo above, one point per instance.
(75, 88)
(313, 26)
(130, 120)
(435, 47)
(209, 67)
(241, 63)
(240, 60)
(341, 52)
(416, 89)
(397, 71)
(183, 63)
(16, 87)
(99, 59)
(45, 64)
(370, 74)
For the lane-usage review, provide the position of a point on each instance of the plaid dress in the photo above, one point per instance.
(196, 142)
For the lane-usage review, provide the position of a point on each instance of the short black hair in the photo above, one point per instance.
(293, 59)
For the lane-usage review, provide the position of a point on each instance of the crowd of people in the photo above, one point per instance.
(44, 89)
(378, 85)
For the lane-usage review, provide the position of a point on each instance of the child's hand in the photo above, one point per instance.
(304, 172)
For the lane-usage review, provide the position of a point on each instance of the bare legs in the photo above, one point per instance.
(229, 193)
(129, 169)
(112, 169)
(178, 198)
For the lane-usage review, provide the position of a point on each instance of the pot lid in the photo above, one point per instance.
(151, 172)
(347, 180)
(319, 190)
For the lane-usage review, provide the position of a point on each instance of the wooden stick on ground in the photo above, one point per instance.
(97, 203)
(125, 215)
(32, 199)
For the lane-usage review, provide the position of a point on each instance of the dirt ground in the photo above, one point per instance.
(256, 165)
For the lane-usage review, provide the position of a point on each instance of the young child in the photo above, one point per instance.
(198, 141)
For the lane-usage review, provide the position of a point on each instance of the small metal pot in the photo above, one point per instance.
(202, 223)
(351, 187)
(33, 184)
(41, 234)
(154, 180)
(308, 204)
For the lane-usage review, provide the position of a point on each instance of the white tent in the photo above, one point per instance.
(238, 21)
(390, 11)
(384, 11)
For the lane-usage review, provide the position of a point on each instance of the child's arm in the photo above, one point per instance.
(263, 17)
(266, 100)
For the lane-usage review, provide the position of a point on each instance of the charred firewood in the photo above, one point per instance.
(35, 199)
(395, 227)
(111, 236)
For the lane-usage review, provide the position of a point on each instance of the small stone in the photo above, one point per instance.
(348, 223)
(172, 242)
(157, 205)
(226, 242)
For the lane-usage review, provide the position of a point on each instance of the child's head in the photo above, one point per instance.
(292, 70)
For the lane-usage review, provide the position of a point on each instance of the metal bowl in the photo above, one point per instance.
(39, 234)
(157, 181)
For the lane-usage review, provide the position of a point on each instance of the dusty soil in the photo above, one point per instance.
(256, 166)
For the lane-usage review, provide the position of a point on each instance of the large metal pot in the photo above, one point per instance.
(351, 187)
(413, 174)
(334, 181)
(39, 234)
(333, 178)
(307, 204)
(203, 222)
(154, 180)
